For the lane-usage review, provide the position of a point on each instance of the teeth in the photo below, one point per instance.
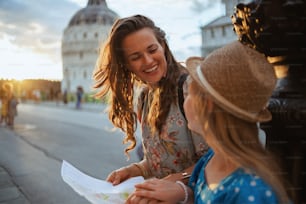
(150, 70)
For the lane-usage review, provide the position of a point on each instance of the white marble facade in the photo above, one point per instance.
(89, 27)
(83, 36)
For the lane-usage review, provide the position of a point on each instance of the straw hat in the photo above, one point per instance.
(238, 78)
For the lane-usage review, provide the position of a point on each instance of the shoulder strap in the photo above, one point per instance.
(181, 93)
(180, 96)
(141, 102)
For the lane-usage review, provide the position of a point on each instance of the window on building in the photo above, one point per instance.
(85, 35)
(81, 55)
(223, 31)
(96, 35)
(85, 74)
(212, 33)
(66, 72)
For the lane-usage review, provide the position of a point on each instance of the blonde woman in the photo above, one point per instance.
(227, 96)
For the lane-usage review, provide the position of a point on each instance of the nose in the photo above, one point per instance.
(147, 58)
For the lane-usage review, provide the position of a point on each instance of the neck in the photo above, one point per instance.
(218, 167)
(222, 162)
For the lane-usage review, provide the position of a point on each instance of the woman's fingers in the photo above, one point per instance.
(159, 190)
(147, 189)
(111, 177)
(140, 200)
(116, 177)
(132, 199)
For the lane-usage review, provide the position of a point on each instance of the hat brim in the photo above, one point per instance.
(192, 64)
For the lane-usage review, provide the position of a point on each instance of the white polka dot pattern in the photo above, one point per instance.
(268, 193)
(251, 198)
(237, 190)
(239, 187)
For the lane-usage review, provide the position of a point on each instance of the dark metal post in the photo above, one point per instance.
(277, 28)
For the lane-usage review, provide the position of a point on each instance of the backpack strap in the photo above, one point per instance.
(141, 102)
(181, 93)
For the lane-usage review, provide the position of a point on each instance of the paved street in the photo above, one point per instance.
(44, 135)
(9, 191)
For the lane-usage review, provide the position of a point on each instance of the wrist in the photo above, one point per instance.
(143, 171)
(184, 187)
(185, 175)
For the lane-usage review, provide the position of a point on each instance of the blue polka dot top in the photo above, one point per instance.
(239, 187)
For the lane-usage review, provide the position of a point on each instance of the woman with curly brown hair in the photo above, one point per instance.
(136, 54)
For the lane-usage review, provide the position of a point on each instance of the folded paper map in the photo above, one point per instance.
(97, 191)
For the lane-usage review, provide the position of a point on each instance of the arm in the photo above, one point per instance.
(132, 170)
(162, 191)
(181, 176)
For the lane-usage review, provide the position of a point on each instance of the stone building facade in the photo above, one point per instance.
(86, 31)
(219, 32)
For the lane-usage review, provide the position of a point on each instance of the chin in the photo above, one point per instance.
(195, 130)
(190, 128)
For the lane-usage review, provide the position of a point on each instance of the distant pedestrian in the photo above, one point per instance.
(4, 108)
(79, 95)
(6, 96)
(12, 110)
(65, 97)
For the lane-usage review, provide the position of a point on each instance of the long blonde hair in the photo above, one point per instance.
(238, 140)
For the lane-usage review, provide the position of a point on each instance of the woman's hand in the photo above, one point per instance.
(127, 172)
(157, 191)
(174, 177)
(119, 175)
(182, 176)
(133, 199)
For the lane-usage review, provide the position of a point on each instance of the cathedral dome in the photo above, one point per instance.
(96, 12)
(87, 30)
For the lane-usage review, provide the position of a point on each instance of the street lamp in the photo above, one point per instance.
(277, 28)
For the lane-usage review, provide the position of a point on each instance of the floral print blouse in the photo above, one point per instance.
(175, 149)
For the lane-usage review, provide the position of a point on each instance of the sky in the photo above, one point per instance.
(31, 31)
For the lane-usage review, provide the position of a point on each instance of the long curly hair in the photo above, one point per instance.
(112, 78)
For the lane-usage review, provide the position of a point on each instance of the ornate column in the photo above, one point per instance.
(277, 28)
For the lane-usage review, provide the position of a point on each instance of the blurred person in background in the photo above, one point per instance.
(4, 107)
(79, 95)
(12, 109)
